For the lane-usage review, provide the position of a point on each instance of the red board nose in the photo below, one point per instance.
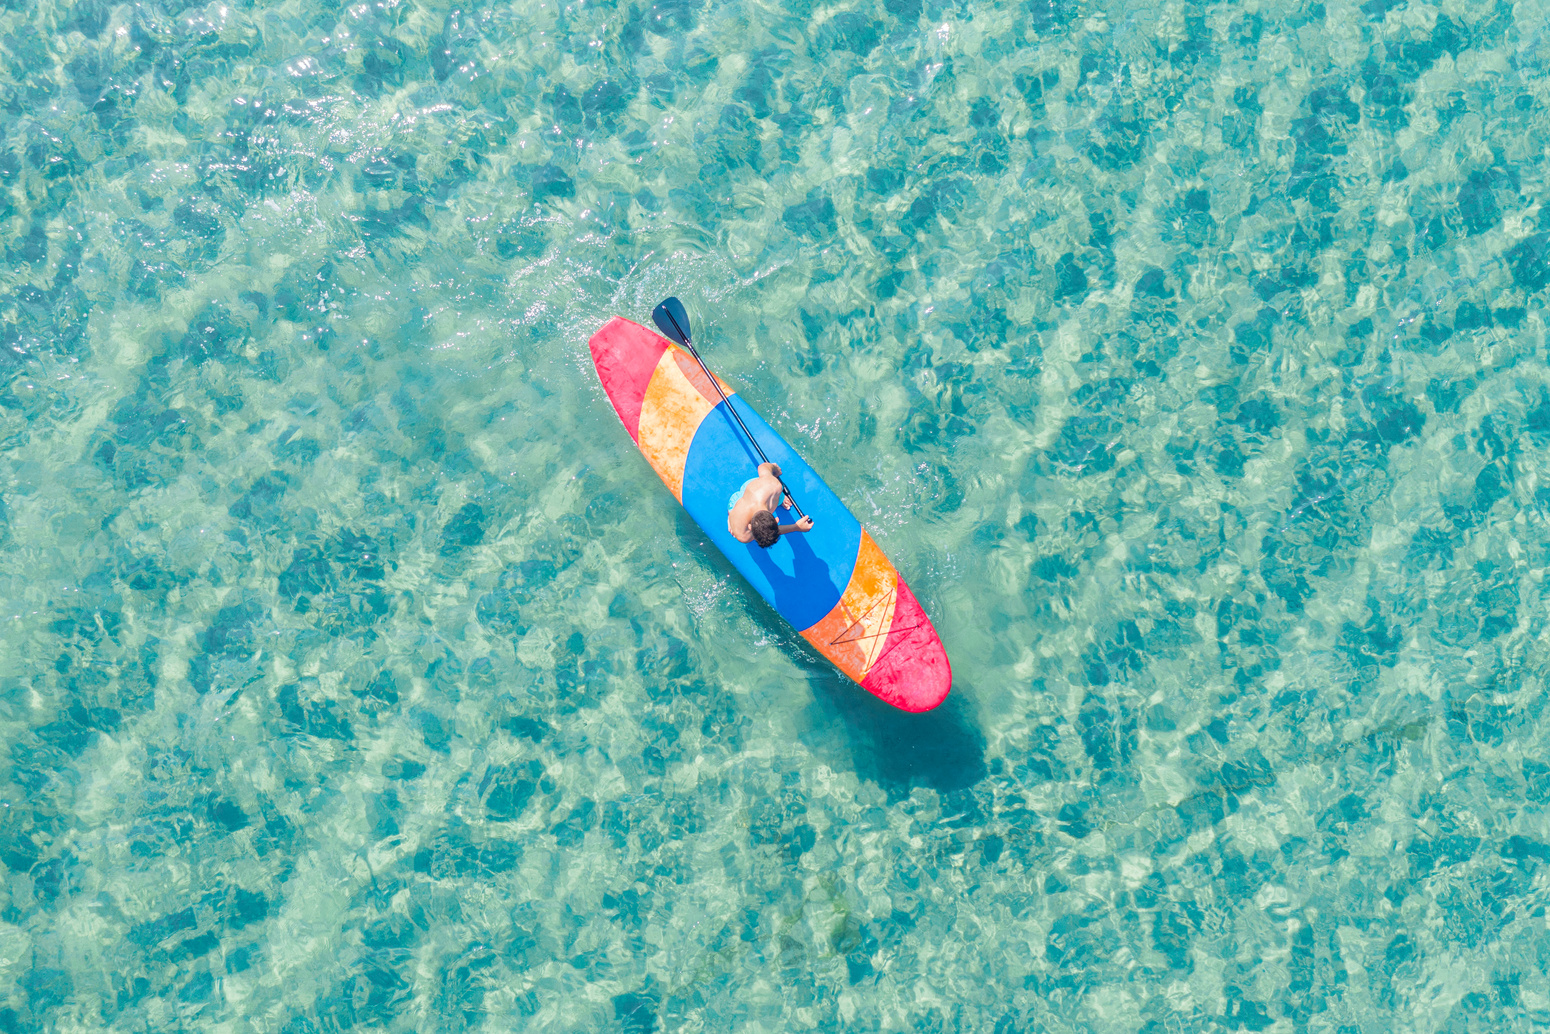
(625, 362)
(912, 671)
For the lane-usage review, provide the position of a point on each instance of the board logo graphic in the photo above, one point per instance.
(863, 631)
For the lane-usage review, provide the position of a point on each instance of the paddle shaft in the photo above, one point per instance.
(732, 409)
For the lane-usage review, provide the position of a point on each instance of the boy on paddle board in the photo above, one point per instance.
(751, 509)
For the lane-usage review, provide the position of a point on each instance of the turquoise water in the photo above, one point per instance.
(1189, 360)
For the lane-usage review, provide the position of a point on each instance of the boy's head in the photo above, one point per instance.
(765, 529)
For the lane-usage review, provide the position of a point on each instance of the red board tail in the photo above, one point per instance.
(911, 672)
(625, 367)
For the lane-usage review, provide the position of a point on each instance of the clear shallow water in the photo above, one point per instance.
(358, 673)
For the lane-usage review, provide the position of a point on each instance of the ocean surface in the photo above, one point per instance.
(1189, 360)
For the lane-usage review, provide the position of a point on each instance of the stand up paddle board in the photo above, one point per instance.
(833, 583)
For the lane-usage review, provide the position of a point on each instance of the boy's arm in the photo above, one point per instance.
(805, 524)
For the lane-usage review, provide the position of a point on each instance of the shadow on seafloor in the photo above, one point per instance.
(942, 748)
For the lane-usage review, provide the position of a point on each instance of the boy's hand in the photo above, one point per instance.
(805, 524)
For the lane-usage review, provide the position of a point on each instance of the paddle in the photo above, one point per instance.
(673, 320)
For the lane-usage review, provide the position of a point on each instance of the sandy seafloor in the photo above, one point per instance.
(358, 674)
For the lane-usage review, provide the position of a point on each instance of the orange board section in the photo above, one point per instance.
(677, 398)
(852, 634)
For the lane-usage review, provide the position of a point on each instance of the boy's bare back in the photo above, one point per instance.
(760, 495)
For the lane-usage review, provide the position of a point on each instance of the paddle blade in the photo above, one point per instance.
(672, 319)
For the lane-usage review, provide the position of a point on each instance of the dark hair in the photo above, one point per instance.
(765, 530)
